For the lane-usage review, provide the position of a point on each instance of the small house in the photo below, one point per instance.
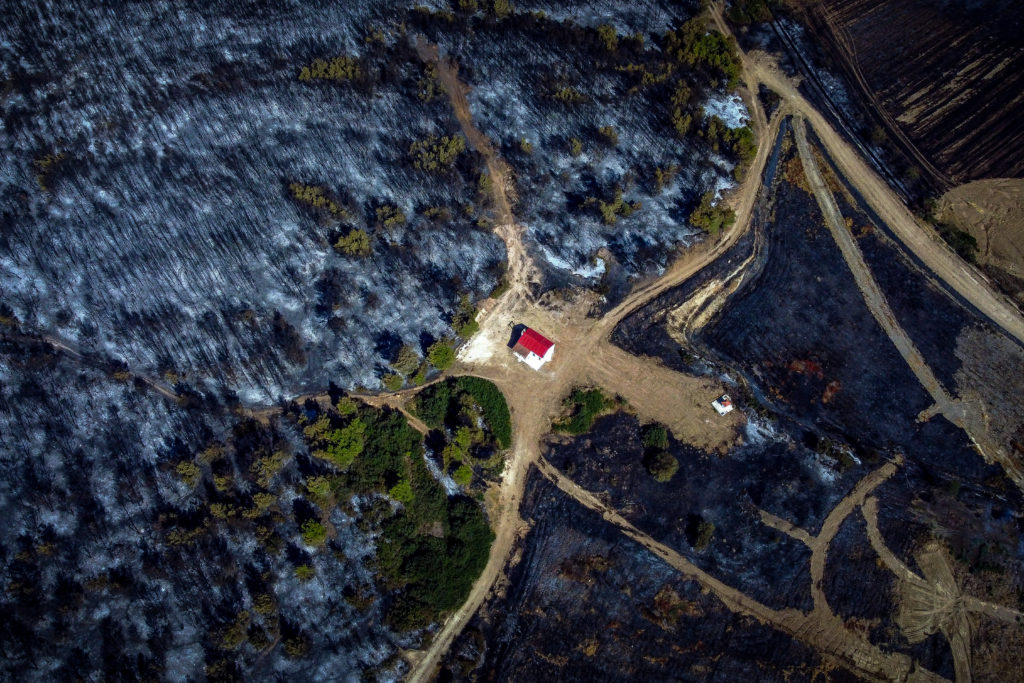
(533, 348)
(723, 404)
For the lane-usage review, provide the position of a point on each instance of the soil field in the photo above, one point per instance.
(992, 211)
(947, 75)
(585, 603)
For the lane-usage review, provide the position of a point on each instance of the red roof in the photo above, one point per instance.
(534, 341)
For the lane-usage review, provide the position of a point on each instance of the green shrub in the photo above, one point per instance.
(963, 243)
(464, 321)
(654, 435)
(575, 147)
(393, 382)
(304, 572)
(705, 530)
(313, 533)
(661, 465)
(584, 405)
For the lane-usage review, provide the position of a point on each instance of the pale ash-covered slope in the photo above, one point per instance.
(145, 192)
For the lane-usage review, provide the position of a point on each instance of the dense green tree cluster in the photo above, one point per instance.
(445, 404)
(711, 218)
(751, 11)
(339, 69)
(737, 141)
(433, 548)
(693, 45)
(611, 211)
(437, 154)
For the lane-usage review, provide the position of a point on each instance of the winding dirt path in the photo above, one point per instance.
(820, 629)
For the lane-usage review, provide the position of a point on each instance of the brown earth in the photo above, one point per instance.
(992, 211)
(947, 77)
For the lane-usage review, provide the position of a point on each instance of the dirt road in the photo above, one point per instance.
(869, 289)
(921, 240)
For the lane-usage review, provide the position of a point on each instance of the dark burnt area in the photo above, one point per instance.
(586, 603)
(803, 327)
(770, 566)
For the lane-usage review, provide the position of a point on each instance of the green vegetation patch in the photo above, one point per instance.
(583, 406)
(711, 218)
(437, 154)
(962, 242)
(445, 403)
(432, 549)
(339, 70)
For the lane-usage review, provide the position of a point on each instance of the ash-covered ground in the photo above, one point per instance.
(565, 104)
(115, 568)
(146, 191)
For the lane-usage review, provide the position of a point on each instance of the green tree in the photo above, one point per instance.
(313, 533)
(710, 218)
(355, 243)
(575, 147)
(393, 382)
(390, 217)
(408, 360)
(608, 36)
(502, 8)
(463, 475)
(347, 443)
(441, 354)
